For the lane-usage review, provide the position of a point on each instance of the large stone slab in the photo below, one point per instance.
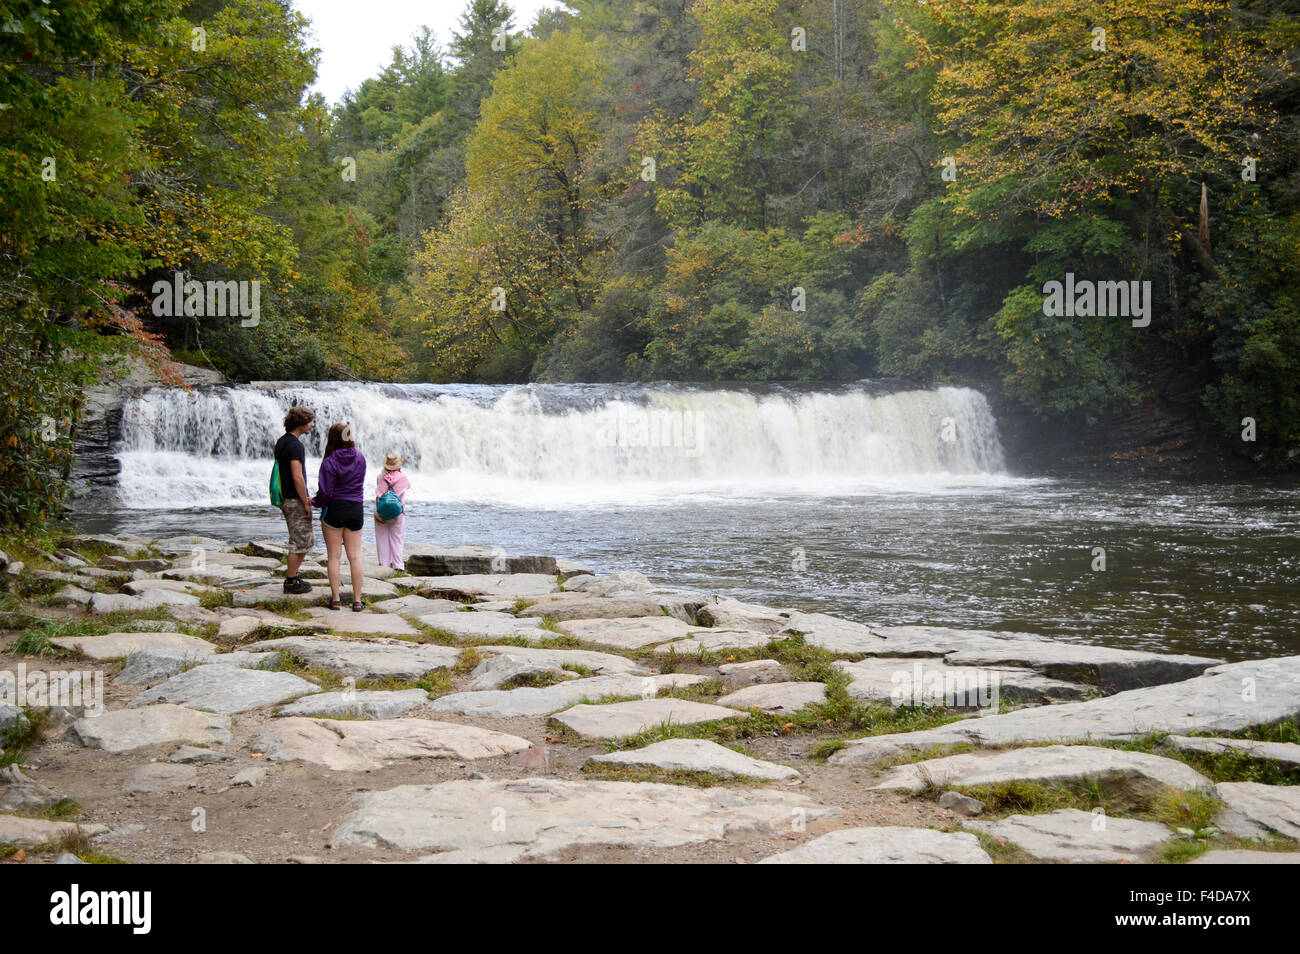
(776, 696)
(600, 663)
(226, 689)
(373, 624)
(127, 729)
(544, 700)
(461, 561)
(754, 672)
(415, 606)
(15, 830)
(698, 755)
(536, 817)
(621, 719)
(715, 641)
(153, 665)
(626, 632)
(365, 658)
(125, 603)
(888, 845)
(360, 746)
(1285, 753)
(492, 672)
(1110, 669)
(570, 606)
(118, 645)
(724, 612)
(611, 585)
(144, 587)
(369, 704)
(1134, 772)
(486, 584)
(1226, 698)
(160, 777)
(486, 625)
(907, 680)
(1255, 809)
(1071, 835)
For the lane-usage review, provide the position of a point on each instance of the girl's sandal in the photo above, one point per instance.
(335, 604)
(358, 606)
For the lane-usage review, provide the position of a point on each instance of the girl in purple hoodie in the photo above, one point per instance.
(340, 497)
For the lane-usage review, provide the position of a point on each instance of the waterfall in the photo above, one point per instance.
(565, 445)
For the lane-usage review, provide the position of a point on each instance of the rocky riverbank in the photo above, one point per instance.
(165, 701)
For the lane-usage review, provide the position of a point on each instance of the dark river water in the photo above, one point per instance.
(1207, 569)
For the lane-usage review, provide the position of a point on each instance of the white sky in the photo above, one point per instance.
(356, 37)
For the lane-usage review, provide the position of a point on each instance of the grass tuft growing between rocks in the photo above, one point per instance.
(647, 773)
(1227, 766)
(1002, 852)
(22, 735)
(537, 680)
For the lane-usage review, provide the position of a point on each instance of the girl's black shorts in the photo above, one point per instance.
(343, 515)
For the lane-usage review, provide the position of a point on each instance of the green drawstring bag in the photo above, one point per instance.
(277, 499)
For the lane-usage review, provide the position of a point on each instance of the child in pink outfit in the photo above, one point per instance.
(388, 533)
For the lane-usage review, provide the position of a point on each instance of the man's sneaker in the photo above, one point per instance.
(296, 585)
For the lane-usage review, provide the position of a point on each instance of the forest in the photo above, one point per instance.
(641, 190)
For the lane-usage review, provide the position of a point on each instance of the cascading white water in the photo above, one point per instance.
(566, 445)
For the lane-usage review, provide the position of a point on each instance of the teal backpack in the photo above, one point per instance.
(389, 505)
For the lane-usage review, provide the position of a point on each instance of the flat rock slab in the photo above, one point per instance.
(236, 626)
(143, 587)
(1071, 835)
(15, 830)
(711, 641)
(274, 592)
(361, 746)
(365, 658)
(907, 680)
(416, 606)
(1241, 856)
(598, 662)
(484, 820)
(1129, 771)
(544, 700)
(160, 777)
(376, 704)
(1285, 753)
(126, 729)
(888, 845)
(153, 665)
(570, 606)
(126, 603)
(628, 581)
(117, 645)
(621, 719)
(1111, 669)
(626, 632)
(755, 672)
(492, 672)
(837, 635)
(375, 624)
(226, 689)
(486, 625)
(776, 696)
(488, 584)
(460, 561)
(1213, 701)
(698, 755)
(1255, 809)
(727, 613)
